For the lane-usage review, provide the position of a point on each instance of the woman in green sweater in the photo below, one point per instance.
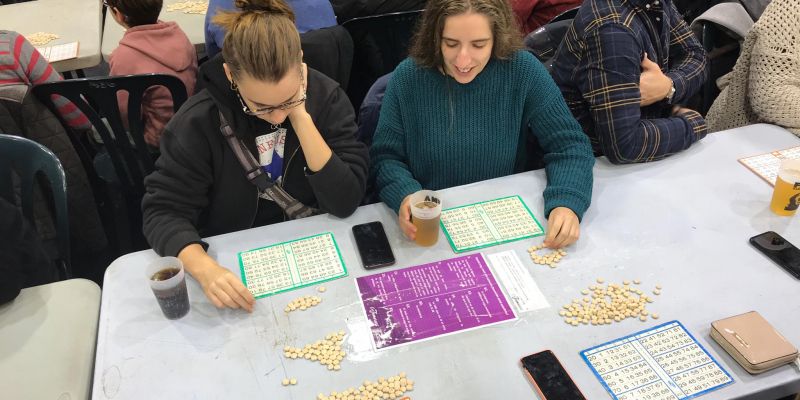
(453, 112)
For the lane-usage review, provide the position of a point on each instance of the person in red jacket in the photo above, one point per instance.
(151, 46)
(532, 14)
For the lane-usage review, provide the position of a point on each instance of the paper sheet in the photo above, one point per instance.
(489, 223)
(664, 362)
(290, 265)
(766, 165)
(430, 300)
(520, 287)
(59, 52)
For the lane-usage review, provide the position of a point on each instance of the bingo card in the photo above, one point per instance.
(489, 223)
(766, 165)
(59, 52)
(664, 362)
(291, 265)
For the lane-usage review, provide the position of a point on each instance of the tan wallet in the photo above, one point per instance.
(753, 342)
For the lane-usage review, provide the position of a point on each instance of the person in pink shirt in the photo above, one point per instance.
(532, 14)
(151, 46)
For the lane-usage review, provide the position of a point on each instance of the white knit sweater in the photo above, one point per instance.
(764, 86)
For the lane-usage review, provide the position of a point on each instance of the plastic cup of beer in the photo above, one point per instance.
(168, 282)
(786, 195)
(426, 208)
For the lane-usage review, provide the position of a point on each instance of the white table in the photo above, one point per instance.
(683, 222)
(74, 20)
(47, 341)
(191, 24)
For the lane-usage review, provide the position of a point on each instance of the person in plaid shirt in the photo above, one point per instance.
(624, 68)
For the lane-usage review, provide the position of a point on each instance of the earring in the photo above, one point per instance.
(234, 86)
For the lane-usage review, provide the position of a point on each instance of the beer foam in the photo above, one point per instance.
(791, 174)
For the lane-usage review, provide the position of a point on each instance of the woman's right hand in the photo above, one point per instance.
(221, 286)
(404, 218)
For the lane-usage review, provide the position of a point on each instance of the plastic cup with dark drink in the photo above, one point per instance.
(168, 281)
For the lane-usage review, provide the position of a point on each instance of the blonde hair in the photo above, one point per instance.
(261, 39)
(426, 48)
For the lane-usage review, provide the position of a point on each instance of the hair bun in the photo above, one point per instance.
(266, 6)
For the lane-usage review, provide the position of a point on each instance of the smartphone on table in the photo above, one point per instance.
(779, 250)
(373, 245)
(549, 378)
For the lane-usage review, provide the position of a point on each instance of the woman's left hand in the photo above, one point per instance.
(563, 228)
(300, 109)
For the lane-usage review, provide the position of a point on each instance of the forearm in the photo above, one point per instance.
(651, 139)
(315, 149)
(394, 193)
(195, 260)
(688, 78)
(339, 187)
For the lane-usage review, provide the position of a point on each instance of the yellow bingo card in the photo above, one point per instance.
(660, 363)
(291, 265)
(489, 223)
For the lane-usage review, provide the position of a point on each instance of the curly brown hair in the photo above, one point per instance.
(261, 39)
(426, 48)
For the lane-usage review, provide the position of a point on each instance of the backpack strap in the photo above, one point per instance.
(267, 188)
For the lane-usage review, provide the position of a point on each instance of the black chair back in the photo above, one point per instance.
(130, 156)
(28, 160)
(97, 99)
(380, 43)
(566, 15)
(544, 41)
(330, 51)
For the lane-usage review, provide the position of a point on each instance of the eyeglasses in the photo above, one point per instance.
(267, 110)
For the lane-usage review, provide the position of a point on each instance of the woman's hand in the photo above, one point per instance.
(300, 109)
(220, 285)
(404, 219)
(563, 228)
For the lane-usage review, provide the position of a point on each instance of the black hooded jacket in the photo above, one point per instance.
(199, 188)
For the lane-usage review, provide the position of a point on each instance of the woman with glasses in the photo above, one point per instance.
(460, 109)
(297, 125)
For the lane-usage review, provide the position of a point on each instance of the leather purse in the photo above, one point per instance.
(753, 342)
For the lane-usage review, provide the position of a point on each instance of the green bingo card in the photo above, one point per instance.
(291, 265)
(489, 223)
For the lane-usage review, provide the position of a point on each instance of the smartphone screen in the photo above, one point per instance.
(373, 246)
(551, 379)
(779, 250)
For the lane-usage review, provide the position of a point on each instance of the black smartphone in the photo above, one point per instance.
(779, 250)
(550, 379)
(373, 245)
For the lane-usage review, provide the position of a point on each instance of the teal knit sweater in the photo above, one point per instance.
(435, 133)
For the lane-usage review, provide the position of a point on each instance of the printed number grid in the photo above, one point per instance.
(289, 265)
(661, 363)
(766, 165)
(489, 223)
(511, 219)
(59, 52)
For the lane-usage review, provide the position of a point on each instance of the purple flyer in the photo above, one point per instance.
(430, 300)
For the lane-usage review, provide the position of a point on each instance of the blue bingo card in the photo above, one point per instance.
(664, 362)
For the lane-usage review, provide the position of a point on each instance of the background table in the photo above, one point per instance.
(47, 341)
(191, 24)
(74, 20)
(683, 223)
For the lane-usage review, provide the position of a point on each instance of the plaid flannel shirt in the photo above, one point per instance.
(598, 65)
